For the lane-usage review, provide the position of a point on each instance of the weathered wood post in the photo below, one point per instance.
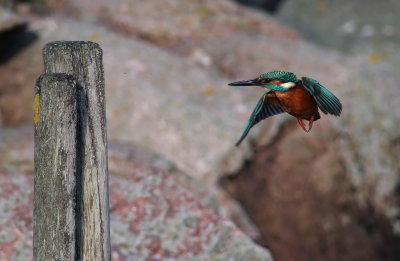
(83, 61)
(55, 168)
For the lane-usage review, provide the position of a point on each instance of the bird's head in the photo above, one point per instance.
(275, 77)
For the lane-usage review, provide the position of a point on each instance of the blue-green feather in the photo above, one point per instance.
(262, 111)
(327, 102)
(279, 75)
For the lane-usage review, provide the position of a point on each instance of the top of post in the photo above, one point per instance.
(75, 58)
(68, 44)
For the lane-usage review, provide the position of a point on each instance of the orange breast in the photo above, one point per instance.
(299, 103)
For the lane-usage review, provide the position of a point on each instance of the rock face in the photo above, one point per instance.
(344, 24)
(166, 90)
(10, 21)
(16, 224)
(153, 217)
(356, 27)
(370, 138)
(308, 194)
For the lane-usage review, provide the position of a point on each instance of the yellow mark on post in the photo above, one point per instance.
(36, 118)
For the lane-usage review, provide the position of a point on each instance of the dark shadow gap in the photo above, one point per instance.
(298, 215)
(15, 40)
(270, 6)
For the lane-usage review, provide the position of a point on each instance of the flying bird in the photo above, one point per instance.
(300, 98)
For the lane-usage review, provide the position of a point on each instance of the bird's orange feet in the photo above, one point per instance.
(302, 124)
(309, 124)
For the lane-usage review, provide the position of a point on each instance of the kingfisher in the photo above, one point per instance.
(300, 98)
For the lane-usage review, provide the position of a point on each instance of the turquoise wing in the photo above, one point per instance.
(262, 111)
(327, 102)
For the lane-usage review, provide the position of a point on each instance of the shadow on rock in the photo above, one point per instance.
(14, 41)
(298, 194)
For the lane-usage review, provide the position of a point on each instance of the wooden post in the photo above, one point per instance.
(83, 60)
(55, 168)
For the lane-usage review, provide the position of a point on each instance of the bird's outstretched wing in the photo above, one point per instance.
(263, 110)
(327, 102)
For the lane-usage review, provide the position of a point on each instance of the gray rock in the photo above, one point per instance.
(345, 24)
(366, 28)
(10, 21)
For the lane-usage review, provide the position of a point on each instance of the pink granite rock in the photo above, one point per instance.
(16, 206)
(157, 212)
(154, 218)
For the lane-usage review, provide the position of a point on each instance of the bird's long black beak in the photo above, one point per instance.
(245, 83)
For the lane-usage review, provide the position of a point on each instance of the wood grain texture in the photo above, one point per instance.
(55, 168)
(83, 60)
